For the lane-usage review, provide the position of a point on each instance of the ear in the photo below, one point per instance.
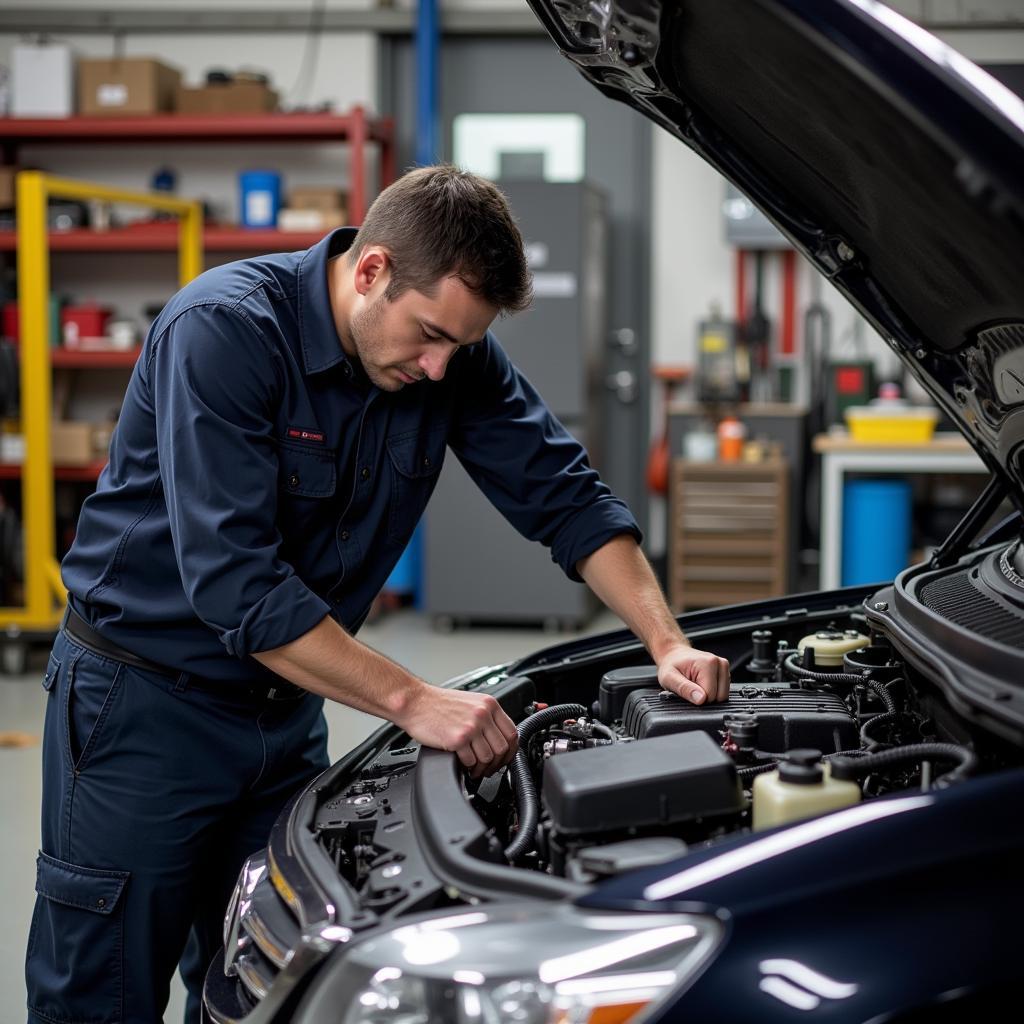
(372, 267)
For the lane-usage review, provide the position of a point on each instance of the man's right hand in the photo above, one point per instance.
(470, 724)
(330, 662)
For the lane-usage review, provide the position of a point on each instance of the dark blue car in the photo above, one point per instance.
(843, 838)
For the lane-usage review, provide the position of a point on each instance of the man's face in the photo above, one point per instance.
(414, 337)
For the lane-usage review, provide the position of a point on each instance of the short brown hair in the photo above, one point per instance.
(440, 221)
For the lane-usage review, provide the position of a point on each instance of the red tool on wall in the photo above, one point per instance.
(659, 457)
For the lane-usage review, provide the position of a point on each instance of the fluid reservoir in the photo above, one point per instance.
(801, 787)
(831, 644)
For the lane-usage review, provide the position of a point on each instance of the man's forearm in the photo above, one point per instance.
(620, 575)
(330, 662)
(334, 664)
(622, 578)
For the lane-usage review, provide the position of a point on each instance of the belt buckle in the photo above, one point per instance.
(283, 691)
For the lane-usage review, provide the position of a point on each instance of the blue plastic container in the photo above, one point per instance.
(876, 530)
(407, 576)
(260, 198)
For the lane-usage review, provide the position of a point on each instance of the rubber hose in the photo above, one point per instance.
(527, 808)
(602, 730)
(846, 753)
(819, 677)
(527, 804)
(966, 762)
(759, 769)
(882, 693)
(890, 714)
(549, 716)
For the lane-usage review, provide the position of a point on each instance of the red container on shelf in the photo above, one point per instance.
(81, 322)
(10, 321)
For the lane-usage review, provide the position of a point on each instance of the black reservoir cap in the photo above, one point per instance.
(802, 768)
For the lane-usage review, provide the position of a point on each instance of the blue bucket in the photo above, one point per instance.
(876, 530)
(261, 198)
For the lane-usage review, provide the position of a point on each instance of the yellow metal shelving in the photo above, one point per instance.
(44, 592)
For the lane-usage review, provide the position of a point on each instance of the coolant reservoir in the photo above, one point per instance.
(800, 787)
(831, 644)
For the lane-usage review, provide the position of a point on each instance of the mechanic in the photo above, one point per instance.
(279, 439)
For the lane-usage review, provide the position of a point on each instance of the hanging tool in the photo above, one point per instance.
(659, 456)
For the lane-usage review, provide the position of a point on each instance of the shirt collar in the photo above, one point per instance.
(321, 346)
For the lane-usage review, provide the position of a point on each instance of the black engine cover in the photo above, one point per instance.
(637, 785)
(788, 716)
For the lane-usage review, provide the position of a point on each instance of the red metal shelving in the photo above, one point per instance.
(82, 474)
(164, 238)
(198, 128)
(93, 359)
(354, 128)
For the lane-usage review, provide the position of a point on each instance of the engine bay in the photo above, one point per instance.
(614, 773)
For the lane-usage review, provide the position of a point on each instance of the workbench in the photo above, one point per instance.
(840, 454)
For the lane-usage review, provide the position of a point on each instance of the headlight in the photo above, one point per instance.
(529, 964)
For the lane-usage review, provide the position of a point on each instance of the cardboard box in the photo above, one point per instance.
(8, 186)
(71, 443)
(290, 219)
(325, 198)
(127, 85)
(229, 98)
(76, 443)
(42, 81)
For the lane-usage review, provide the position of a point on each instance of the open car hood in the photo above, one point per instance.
(890, 161)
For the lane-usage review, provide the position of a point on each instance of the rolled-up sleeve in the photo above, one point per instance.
(527, 464)
(214, 383)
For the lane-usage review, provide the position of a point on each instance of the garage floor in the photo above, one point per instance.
(405, 636)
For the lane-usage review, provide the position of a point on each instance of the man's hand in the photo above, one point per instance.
(620, 575)
(696, 676)
(330, 662)
(470, 724)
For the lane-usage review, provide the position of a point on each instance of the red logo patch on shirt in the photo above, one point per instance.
(297, 434)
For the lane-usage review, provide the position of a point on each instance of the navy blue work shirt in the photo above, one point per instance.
(258, 482)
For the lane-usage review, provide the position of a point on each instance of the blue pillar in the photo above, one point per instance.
(428, 44)
(406, 578)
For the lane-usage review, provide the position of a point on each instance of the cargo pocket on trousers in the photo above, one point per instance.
(74, 966)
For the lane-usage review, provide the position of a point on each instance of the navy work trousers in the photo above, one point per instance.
(154, 793)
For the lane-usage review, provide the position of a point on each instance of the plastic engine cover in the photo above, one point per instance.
(788, 716)
(633, 785)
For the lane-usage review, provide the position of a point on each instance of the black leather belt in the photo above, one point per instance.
(85, 636)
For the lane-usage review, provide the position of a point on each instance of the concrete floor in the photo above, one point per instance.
(404, 636)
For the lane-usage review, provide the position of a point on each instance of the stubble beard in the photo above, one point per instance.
(366, 336)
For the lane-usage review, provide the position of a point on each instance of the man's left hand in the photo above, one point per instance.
(696, 676)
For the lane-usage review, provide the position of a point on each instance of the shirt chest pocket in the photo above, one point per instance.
(416, 458)
(306, 473)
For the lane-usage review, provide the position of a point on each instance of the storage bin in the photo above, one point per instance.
(882, 425)
(261, 198)
(876, 529)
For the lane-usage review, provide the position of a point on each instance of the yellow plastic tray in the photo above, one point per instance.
(891, 426)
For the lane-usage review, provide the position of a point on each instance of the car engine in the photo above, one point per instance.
(640, 775)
